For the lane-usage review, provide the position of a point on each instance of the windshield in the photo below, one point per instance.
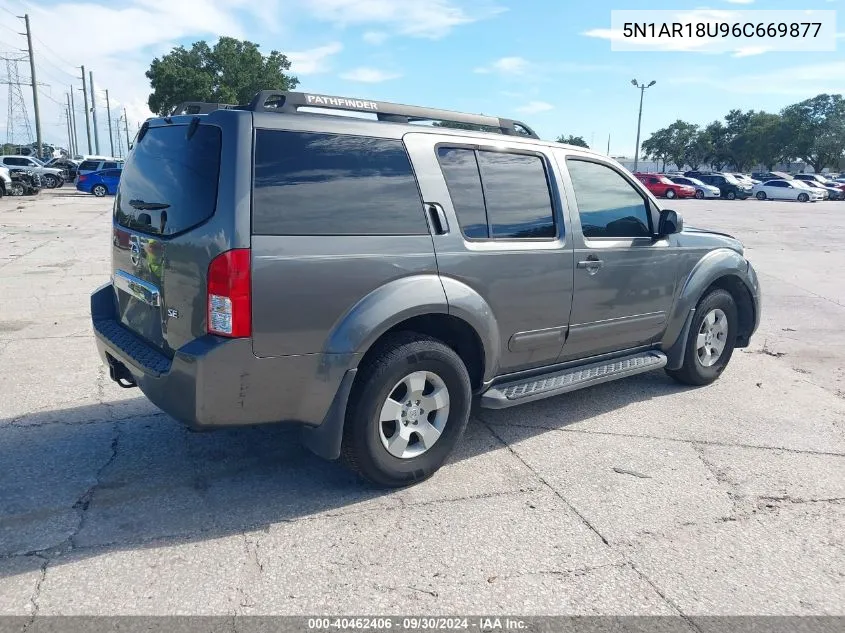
(800, 183)
(664, 180)
(731, 179)
(697, 182)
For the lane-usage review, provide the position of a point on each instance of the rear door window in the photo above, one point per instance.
(460, 169)
(169, 182)
(109, 165)
(308, 183)
(88, 165)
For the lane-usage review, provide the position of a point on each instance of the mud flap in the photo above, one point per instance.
(677, 351)
(324, 440)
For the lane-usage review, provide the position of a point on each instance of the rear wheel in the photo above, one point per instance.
(761, 195)
(670, 193)
(99, 190)
(731, 195)
(711, 341)
(408, 410)
(803, 197)
(699, 194)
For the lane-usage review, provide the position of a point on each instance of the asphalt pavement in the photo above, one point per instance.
(631, 498)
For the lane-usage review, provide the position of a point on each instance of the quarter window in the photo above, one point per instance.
(334, 184)
(608, 204)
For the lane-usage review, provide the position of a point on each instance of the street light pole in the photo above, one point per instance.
(642, 88)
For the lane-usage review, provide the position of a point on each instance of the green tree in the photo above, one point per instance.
(716, 140)
(768, 136)
(699, 150)
(232, 71)
(816, 130)
(578, 141)
(656, 147)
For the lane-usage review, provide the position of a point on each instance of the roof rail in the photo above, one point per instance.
(199, 107)
(291, 102)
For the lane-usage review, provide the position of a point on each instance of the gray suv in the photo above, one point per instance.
(368, 279)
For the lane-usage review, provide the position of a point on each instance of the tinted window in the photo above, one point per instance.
(333, 184)
(111, 173)
(89, 165)
(683, 181)
(608, 205)
(464, 182)
(776, 183)
(109, 165)
(517, 195)
(16, 161)
(169, 182)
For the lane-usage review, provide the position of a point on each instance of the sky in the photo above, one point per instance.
(546, 62)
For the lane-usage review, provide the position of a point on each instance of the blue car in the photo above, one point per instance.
(100, 183)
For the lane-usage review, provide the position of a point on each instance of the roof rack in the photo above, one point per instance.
(291, 102)
(199, 107)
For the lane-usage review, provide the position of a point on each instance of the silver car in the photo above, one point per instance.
(702, 189)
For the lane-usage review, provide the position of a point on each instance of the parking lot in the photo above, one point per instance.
(634, 497)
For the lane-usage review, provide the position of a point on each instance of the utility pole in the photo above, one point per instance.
(126, 126)
(69, 133)
(119, 138)
(73, 121)
(38, 138)
(87, 120)
(94, 113)
(108, 114)
(642, 88)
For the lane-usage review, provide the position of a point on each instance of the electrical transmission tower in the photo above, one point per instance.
(18, 129)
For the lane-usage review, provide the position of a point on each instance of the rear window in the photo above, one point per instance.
(89, 165)
(169, 182)
(333, 184)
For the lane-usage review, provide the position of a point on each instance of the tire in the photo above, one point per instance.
(803, 197)
(761, 195)
(99, 190)
(699, 194)
(386, 377)
(17, 189)
(670, 194)
(50, 181)
(700, 368)
(730, 195)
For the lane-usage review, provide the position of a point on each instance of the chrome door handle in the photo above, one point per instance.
(591, 264)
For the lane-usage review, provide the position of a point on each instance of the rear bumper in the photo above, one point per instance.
(215, 382)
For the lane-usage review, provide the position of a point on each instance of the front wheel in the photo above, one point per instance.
(731, 195)
(17, 189)
(670, 194)
(711, 340)
(761, 195)
(408, 409)
(99, 191)
(803, 197)
(50, 181)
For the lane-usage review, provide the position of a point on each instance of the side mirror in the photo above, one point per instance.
(670, 223)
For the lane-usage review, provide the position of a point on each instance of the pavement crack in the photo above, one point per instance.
(36, 593)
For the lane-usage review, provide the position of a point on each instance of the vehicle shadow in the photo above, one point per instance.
(77, 479)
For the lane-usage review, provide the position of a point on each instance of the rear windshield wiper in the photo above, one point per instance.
(148, 206)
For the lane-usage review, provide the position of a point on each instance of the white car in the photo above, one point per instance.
(51, 178)
(702, 189)
(786, 190)
(746, 180)
(5, 182)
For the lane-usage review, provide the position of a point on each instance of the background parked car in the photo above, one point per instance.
(50, 177)
(90, 166)
(816, 186)
(5, 182)
(780, 189)
(100, 183)
(662, 187)
(702, 189)
(729, 186)
(764, 176)
(67, 165)
(25, 182)
(745, 179)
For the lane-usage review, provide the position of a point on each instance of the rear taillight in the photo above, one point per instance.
(230, 294)
(82, 177)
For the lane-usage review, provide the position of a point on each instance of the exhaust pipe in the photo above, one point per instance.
(119, 373)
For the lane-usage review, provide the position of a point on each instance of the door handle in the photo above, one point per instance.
(591, 264)
(438, 218)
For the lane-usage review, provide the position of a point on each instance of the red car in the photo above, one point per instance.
(662, 187)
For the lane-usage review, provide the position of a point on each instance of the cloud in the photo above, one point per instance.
(740, 1)
(416, 18)
(749, 51)
(535, 107)
(375, 37)
(369, 75)
(804, 81)
(506, 65)
(669, 44)
(314, 60)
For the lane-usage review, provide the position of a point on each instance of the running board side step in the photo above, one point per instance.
(509, 394)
